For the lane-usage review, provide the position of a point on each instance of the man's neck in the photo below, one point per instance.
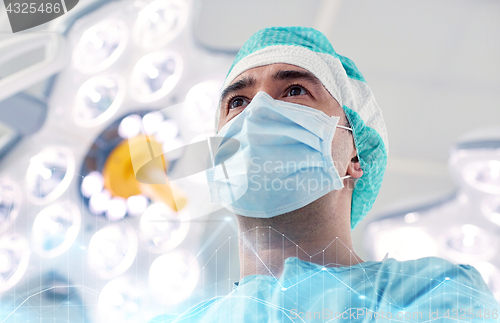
(319, 232)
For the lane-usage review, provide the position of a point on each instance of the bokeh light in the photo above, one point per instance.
(14, 259)
(405, 243)
(112, 250)
(162, 228)
(491, 209)
(483, 175)
(10, 202)
(159, 23)
(469, 243)
(173, 277)
(98, 99)
(55, 229)
(491, 276)
(100, 46)
(155, 75)
(49, 174)
(122, 301)
(200, 105)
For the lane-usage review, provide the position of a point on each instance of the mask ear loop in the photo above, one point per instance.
(346, 128)
(350, 129)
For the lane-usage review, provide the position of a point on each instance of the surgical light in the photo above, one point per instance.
(100, 46)
(117, 208)
(121, 301)
(112, 250)
(49, 174)
(98, 203)
(167, 130)
(411, 217)
(170, 150)
(137, 204)
(405, 243)
(114, 184)
(159, 23)
(491, 276)
(152, 121)
(92, 184)
(469, 242)
(200, 105)
(491, 209)
(483, 175)
(173, 277)
(130, 126)
(14, 259)
(55, 229)
(155, 75)
(162, 228)
(10, 201)
(98, 99)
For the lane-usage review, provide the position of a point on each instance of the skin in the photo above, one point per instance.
(319, 232)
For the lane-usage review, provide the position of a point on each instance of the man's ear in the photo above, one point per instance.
(354, 168)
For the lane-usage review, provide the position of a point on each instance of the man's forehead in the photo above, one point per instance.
(278, 72)
(270, 70)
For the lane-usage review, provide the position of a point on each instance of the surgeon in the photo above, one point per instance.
(313, 151)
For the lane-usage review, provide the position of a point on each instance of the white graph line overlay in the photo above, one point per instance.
(324, 269)
(380, 295)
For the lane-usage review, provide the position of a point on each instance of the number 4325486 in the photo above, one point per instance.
(34, 8)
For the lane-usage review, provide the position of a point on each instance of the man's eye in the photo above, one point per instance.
(296, 90)
(237, 102)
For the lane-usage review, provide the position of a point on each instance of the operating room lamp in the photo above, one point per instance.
(463, 227)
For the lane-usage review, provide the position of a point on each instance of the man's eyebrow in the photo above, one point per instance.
(238, 86)
(283, 75)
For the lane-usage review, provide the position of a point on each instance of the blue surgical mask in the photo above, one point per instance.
(284, 161)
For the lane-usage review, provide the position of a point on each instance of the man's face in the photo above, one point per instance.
(293, 84)
(283, 82)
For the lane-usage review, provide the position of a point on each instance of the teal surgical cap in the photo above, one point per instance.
(311, 50)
